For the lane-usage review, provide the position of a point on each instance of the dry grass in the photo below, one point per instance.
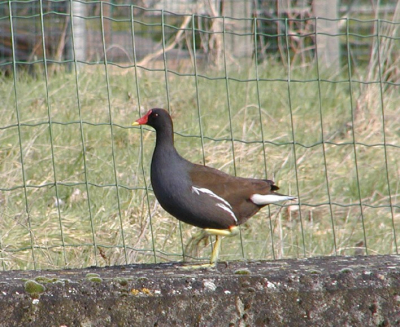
(100, 223)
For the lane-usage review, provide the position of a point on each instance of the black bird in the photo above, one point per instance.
(199, 195)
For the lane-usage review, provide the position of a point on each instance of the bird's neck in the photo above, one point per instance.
(165, 143)
(165, 138)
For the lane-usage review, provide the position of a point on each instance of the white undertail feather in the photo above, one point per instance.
(260, 199)
(225, 205)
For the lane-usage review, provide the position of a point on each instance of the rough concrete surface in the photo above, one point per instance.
(329, 291)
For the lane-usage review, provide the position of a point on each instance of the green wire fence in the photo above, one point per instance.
(255, 96)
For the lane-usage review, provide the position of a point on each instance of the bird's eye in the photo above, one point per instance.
(155, 115)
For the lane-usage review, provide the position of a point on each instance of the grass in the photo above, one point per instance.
(217, 122)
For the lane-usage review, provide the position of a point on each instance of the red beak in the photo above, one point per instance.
(143, 120)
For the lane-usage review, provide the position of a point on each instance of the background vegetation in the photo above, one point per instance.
(81, 193)
(75, 188)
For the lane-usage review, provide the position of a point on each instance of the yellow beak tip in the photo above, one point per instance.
(135, 123)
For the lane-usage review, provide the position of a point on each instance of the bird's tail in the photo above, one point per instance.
(261, 199)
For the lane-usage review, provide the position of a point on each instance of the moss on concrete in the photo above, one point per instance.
(33, 288)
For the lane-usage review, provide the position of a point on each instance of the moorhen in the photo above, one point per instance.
(199, 195)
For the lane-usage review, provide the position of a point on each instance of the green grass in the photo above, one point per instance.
(100, 224)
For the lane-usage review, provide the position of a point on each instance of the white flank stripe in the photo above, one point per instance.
(260, 199)
(224, 205)
(211, 193)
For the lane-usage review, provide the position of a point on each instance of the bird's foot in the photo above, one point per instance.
(219, 233)
(199, 266)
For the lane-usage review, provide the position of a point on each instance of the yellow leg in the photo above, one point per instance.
(216, 249)
(223, 232)
(217, 246)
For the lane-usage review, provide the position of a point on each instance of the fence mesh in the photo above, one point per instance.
(255, 96)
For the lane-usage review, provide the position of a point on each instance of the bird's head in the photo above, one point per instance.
(155, 118)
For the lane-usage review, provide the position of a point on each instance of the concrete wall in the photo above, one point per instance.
(331, 291)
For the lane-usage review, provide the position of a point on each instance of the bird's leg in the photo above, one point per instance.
(217, 246)
(216, 250)
(198, 240)
(218, 238)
